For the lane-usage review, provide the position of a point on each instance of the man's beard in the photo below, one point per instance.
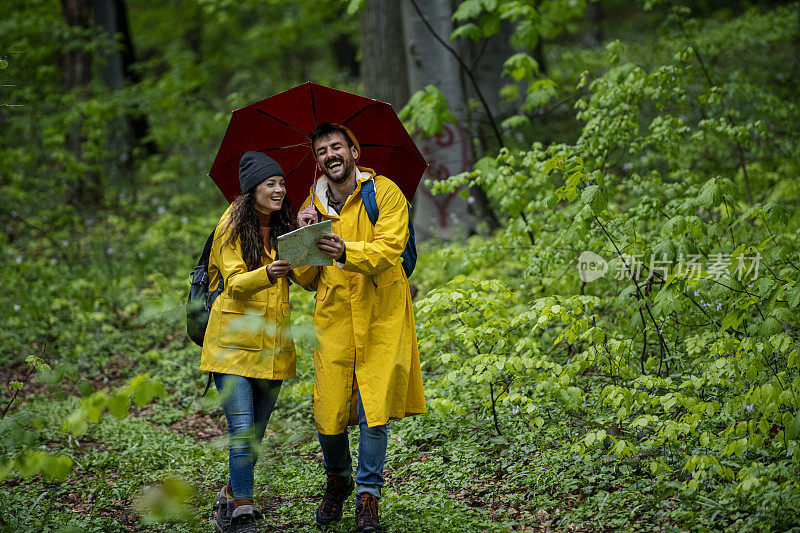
(348, 167)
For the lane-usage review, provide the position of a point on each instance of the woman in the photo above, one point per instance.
(248, 345)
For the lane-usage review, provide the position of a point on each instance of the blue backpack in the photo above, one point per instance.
(409, 255)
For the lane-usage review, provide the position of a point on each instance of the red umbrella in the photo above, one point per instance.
(279, 126)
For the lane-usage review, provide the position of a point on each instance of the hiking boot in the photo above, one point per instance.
(224, 507)
(243, 520)
(368, 518)
(337, 489)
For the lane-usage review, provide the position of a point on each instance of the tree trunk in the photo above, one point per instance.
(112, 15)
(594, 33)
(84, 190)
(450, 152)
(383, 58)
(77, 61)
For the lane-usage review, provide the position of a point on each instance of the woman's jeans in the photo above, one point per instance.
(247, 403)
(371, 454)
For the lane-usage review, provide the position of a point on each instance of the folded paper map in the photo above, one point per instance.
(299, 247)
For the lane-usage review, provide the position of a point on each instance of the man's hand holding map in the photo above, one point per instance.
(299, 246)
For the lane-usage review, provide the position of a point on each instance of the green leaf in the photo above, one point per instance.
(354, 7)
(76, 423)
(467, 10)
(469, 30)
(427, 110)
(55, 467)
(794, 359)
(552, 164)
(490, 24)
(3, 64)
(593, 196)
(793, 295)
(145, 391)
(515, 121)
(732, 319)
(793, 430)
(521, 66)
(710, 195)
(119, 404)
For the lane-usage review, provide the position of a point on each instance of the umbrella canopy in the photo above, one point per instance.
(279, 126)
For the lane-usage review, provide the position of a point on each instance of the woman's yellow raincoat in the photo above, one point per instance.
(248, 331)
(364, 321)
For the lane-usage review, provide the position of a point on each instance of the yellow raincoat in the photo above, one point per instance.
(248, 331)
(364, 322)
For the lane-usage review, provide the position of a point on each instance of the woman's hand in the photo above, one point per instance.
(307, 216)
(278, 269)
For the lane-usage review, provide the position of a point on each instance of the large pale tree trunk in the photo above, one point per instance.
(383, 58)
(449, 153)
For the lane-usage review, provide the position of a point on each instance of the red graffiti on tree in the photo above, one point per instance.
(444, 151)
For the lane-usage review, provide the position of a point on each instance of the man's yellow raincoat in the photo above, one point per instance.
(248, 331)
(363, 318)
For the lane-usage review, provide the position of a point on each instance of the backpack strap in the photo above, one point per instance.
(207, 249)
(409, 255)
(368, 199)
(200, 275)
(208, 383)
(319, 215)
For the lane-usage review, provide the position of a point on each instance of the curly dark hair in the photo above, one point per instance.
(243, 224)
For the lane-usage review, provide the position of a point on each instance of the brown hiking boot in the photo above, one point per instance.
(368, 518)
(337, 489)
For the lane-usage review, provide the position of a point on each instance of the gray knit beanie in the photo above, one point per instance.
(254, 168)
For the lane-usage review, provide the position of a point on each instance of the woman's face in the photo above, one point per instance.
(269, 194)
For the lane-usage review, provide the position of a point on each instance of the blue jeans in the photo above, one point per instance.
(371, 454)
(247, 403)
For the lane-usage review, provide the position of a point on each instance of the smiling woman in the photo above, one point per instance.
(269, 195)
(248, 344)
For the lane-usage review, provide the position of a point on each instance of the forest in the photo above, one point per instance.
(607, 301)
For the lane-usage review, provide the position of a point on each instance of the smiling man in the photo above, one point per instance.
(366, 363)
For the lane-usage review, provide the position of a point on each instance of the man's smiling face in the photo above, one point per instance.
(336, 159)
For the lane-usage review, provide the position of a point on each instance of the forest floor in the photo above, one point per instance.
(441, 476)
(159, 468)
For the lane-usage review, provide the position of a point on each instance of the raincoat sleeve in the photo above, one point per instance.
(306, 277)
(239, 282)
(389, 235)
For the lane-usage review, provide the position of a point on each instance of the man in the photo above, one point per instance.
(366, 364)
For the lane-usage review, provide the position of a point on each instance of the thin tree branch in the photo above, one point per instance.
(25, 379)
(494, 411)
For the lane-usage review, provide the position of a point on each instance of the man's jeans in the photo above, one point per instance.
(247, 403)
(371, 454)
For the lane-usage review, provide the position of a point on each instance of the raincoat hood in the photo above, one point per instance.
(320, 188)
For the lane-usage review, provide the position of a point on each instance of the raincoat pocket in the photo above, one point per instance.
(242, 324)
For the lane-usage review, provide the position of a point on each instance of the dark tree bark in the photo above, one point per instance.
(594, 34)
(84, 190)
(383, 59)
(112, 15)
(77, 61)
(538, 52)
